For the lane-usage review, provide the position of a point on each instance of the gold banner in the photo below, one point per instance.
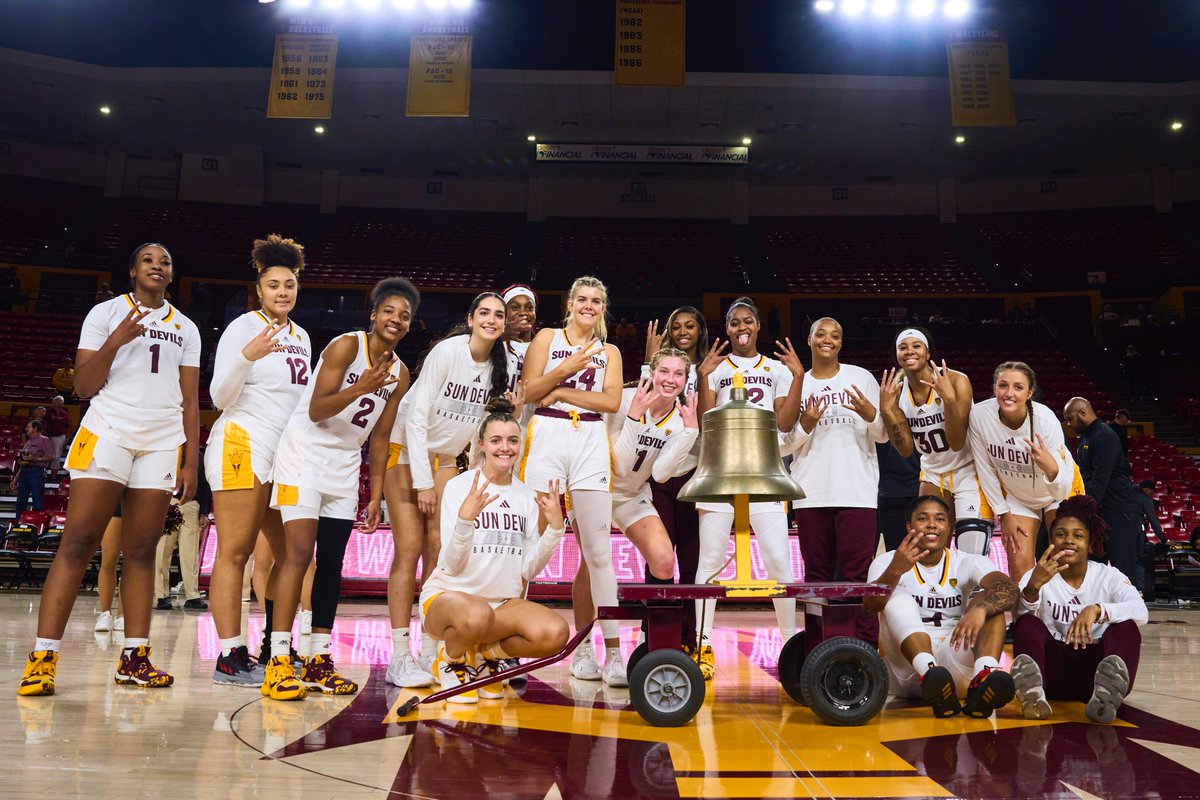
(439, 75)
(302, 76)
(650, 44)
(980, 84)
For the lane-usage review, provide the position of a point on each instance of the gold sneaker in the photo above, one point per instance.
(39, 673)
(320, 674)
(280, 682)
(135, 669)
(705, 658)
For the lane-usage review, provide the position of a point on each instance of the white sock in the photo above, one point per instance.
(319, 644)
(400, 642)
(985, 661)
(428, 646)
(612, 652)
(131, 644)
(281, 643)
(41, 644)
(229, 645)
(923, 662)
(304, 646)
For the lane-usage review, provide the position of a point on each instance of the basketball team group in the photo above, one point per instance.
(543, 414)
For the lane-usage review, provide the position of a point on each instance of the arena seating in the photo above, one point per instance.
(34, 212)
(1176, 479)
(431, 248)
(35, 345)
(865, 254)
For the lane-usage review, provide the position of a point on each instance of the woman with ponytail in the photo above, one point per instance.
(1076, 636)
(436, 420)
(1021, 460)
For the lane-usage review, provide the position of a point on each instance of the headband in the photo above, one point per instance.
(912, 333)
(519, 291)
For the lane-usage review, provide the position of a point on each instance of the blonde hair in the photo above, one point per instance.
(594, 283)
(669, 352)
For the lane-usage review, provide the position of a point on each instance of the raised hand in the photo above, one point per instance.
(550, 506)
(581, 359)
(377, 376)
(129, 328)
(1049, 565)
(689, 411)
(906, 556)
(1042, 456)
(264, 343)
(642, 398)
(860, 405)
(889, 389)
(942, 383)
(711, 359)
(477, 499)
(653, 339)
(813, 410)
(787, 356)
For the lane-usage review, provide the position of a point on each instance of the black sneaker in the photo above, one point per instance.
(236, 669)
(196, 604)
(991, 689)
(517, 680)
(937, 687)
(164, 604)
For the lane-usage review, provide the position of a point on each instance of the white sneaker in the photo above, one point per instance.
(403, 671)
(104, 622)
(306, 623)
(614, 671)
(425, 664)
(489, 667)
(451, 675)
(1027, 678)
(583, 664)
(118, 624)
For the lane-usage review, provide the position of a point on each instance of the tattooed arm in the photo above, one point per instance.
(999, 594)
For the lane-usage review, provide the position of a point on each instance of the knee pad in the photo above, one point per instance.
(973, 535)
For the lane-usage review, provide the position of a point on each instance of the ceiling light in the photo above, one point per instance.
(435, 5)
(883, 8)
(852, 8)
(319, 129)
(461, 5)
(960, 139)
(956, 9)
(824, 6)
(404, 5)
(299, 3)
(1176, 125)
(369, 5)
(745, 140)
(105, 110)
(334, 5)
(531, 138)
(922, 8)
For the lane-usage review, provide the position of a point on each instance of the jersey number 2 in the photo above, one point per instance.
(365, 407)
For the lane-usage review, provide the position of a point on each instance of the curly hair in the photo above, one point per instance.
(276, 251)
(1086, 510)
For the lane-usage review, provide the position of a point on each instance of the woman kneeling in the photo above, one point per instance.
(497, 534)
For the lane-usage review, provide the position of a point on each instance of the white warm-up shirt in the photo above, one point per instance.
(836, 465)
(1004, 465)
(941, 591)
(647, 448)
(493, 556)
(1059, 603)
(443, 408)
(140, 405)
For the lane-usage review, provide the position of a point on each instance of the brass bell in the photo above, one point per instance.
(739, 455)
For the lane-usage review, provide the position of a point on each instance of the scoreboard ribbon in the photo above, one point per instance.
(439, 73)
(980, 84)
(649, 48)
(302, 76)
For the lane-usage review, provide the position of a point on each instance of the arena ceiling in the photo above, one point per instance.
(1093, 96)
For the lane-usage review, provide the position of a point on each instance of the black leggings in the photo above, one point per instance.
(332, 537)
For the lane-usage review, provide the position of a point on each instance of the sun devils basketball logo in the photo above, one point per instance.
(954, 583)
(235, 461)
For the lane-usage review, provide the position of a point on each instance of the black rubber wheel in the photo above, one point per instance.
(844, 681)
(667, 688)
(637, 655)
(791, 662)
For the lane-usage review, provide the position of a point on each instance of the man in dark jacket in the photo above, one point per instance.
(1149, 514)
(1106, 477)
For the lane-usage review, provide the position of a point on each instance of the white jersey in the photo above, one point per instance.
(326, 455)
(647, 448)
(927, 422)
(1059, 603)
(588, 379)
(260, 396)
(444, 406)
(140, 405)
(492, 557)
(516, 362)
(1003, 463)
(941, 591)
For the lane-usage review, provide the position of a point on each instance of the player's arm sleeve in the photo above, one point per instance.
(1121, 600)
(416, 425)
(539, 551)
(230, 368)
(676, 457)
(191, 350)
(95, 329)
(457, 534)
(989, 481)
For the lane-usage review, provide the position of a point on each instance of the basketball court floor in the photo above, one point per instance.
(561, 737)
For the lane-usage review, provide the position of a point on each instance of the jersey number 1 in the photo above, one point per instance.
(154, 353)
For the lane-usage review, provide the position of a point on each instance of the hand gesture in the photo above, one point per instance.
(185, 485)
(689, 411)
(907, 554)
(1049, 565)
(642, 398)
(477, 499)
(550, 506)
(377, 376)
(1079, 635)
(427, 501)
(517, 397)
(813, 410)
(550, 399)
(653, 339)
(860, 405)
(1042, 457)
(889, 390)
(581, 359)
(129, 328)
(968, 627)
(711, 359)
(942, 383)
(787, 356)
(371, 517)
(264, 343)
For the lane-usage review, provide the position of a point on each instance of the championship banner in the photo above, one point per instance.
(439, 73)
(643, 154)
(302, 76)
(980, 84)
(650, 43)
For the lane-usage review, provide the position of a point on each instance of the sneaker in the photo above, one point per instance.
(583, 664)
(39, 673)
(163, 604)
(614, 671)
(104, 622)
(279, 680)
(119, 624)
(177, 589)
(195, 604)
(236, 669)
(135, 669)
(1112, 682)
(489, 667)
(517, 681)
(705, 658)
(306, 622)
(1027, 678)
(425, 664)
(990, 690)
(453, 674)
(319, 673)
(937, 687)
(403, 671)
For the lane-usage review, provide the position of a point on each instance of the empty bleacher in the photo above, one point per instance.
(34, 213)
(34, 347)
